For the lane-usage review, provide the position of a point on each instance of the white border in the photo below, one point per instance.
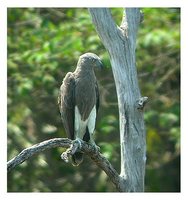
(3, 93)
(93, 3)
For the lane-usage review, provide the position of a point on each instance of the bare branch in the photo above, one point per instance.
(37, 148)
(87, 148)
(104, 164)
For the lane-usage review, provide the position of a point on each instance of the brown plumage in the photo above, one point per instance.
(79, 101)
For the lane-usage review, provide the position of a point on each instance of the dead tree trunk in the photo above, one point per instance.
(120, 42)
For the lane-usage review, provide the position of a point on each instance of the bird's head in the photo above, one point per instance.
(90, 59)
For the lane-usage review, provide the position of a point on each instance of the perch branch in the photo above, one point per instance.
(37, 148)
(87, 148)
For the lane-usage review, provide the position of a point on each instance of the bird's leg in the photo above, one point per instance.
(75, 146)
(78, 143)
(92, 141)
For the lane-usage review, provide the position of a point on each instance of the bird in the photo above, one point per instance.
(79, 102)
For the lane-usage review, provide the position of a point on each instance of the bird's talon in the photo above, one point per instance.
(64, 157)
(78, 141)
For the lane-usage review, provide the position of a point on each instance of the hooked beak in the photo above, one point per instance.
(100, 64)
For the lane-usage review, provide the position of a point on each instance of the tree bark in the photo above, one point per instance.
(120, 42)
(87, 148)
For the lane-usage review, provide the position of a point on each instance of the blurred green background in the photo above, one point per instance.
(43, 45)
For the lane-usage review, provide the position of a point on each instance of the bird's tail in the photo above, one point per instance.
(77, 158)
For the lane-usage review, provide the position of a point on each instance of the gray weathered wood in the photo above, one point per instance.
(87, 148)
(121, 43)
(37, 148)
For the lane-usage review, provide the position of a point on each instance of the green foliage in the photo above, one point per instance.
(43, 45)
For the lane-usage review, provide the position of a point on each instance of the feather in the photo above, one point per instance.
(67, 103)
